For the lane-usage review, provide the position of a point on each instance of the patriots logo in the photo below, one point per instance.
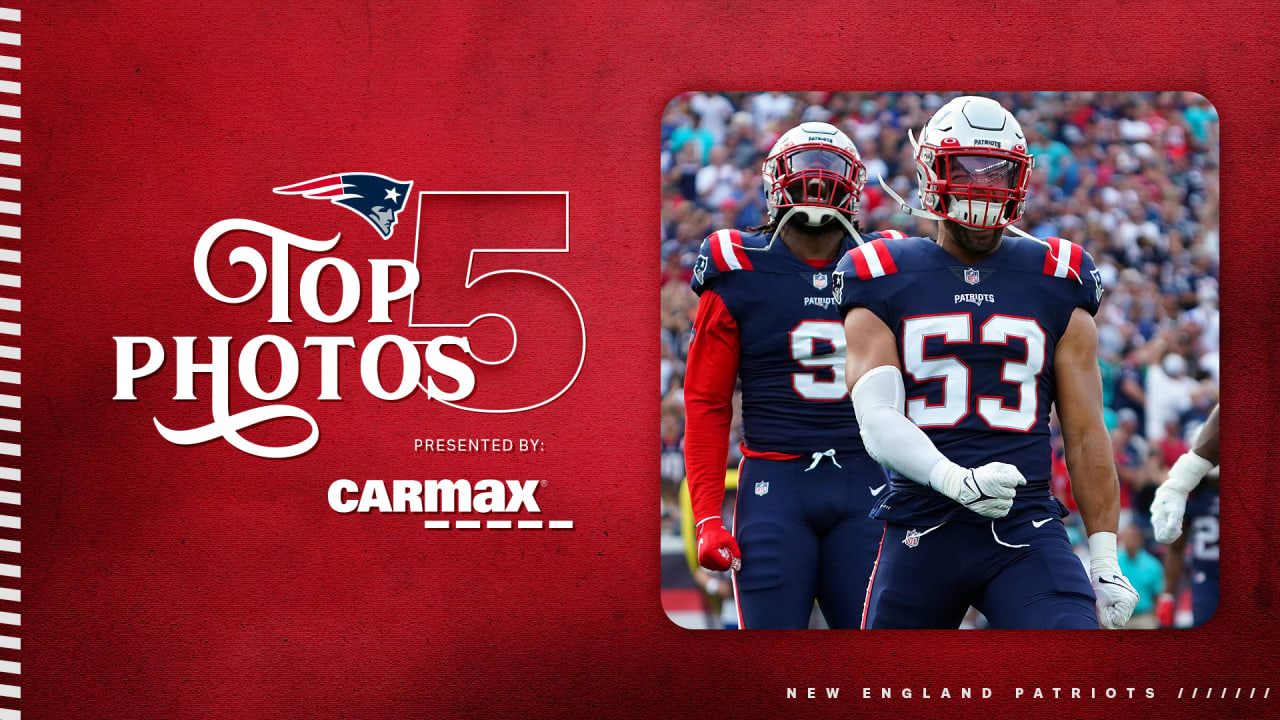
(376, 198)
(700, 269)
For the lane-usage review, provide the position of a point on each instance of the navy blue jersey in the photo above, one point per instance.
(1202, 530)
(976, 344)
(792, 347)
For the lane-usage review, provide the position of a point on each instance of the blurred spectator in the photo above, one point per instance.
(1145, 572)
(713, 113)
(1169, 394)
(719, 180)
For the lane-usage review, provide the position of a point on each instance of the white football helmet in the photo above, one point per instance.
(972, 164)
(814, 174)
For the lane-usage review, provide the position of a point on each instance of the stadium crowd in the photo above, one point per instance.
(1132, 177)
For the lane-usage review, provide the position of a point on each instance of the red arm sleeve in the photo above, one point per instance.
(708, 400)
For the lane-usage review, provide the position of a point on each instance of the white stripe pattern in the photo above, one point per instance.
(725, 241)
(1062, 249)
(10, 376)
(873, 260)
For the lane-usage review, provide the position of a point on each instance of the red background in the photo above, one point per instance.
(181, 582)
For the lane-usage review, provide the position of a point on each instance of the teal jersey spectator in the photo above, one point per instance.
(1147, 575)
(1052, 157)
(684, 134)
(1110, 374)
(1199, 118)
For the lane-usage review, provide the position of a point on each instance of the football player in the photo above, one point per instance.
(958, 348)
(1182, 500)
(766, 315)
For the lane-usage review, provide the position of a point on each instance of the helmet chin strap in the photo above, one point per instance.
(840, 218)
(905, 207)
(930, 215)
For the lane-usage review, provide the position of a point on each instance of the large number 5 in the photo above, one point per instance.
(523, 225)
(957, 329)
(804, 339)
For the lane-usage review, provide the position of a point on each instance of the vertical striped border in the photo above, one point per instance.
(10, 354)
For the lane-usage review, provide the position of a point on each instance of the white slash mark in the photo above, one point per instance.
(498, 524)
(529, 524)
(467, 524)
(560, 524)
(436, 524)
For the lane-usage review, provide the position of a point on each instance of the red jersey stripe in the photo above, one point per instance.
(1051, 257)
(717, 255)
(860, 264)
(1077, 255)
(886, 258)
(739, 252)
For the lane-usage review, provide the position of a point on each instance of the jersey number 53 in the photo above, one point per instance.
(956, 331)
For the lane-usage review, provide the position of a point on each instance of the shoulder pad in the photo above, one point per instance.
(1063, 259)
(721, 252)
(890, 234)
(871, 260)
(727, 251)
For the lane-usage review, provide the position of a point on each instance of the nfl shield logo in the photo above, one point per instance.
(762, 487)
(971, 276)
(912, 539)
(820, 281)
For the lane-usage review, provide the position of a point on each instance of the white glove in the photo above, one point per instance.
(987, 490)
(1116, 596)
(1170, 503)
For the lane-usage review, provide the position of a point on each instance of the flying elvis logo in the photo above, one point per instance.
(378, 199)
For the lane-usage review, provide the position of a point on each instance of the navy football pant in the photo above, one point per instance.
(1204, 596)
(805, 535)
(1017, 574)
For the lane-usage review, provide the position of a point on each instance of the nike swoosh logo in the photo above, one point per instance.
(1038, 523)
(876, 491)
(1122, 584)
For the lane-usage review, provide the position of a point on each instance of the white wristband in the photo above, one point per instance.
(1102, 547)
(1187, 471)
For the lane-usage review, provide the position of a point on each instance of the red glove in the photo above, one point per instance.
(1164, 610)
(717, 550)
